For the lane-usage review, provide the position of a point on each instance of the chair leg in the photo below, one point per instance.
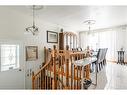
(93, 67)
(102, 64)
(99, 66)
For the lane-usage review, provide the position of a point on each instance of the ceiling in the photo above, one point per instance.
(74, 16)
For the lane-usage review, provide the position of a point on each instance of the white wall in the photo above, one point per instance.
(11, 31)
(12, 28)
(40, 41)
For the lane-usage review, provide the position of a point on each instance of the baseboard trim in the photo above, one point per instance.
(114, 61)
(111, 61)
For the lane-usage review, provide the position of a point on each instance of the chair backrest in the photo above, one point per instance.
(101, 54)
(105, 52)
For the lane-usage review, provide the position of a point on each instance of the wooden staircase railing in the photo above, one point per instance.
(59, 72)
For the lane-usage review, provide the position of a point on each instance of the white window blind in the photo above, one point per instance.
(9, 56)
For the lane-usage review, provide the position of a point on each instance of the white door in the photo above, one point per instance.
(12, 77)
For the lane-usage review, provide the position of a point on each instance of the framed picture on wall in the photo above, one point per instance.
(52, 37)
(31, 53)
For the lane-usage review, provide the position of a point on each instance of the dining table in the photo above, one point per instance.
(85, 64)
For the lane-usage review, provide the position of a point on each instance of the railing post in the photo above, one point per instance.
(54, 67)
(87, 71)
(33, 78)
(45, 55)
(67, 66)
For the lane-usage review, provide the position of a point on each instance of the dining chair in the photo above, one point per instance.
(101, 60)
(104, 61)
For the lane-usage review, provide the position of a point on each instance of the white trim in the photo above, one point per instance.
(16, 65)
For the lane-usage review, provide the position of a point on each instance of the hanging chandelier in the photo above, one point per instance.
(89, 23)
(33, 29)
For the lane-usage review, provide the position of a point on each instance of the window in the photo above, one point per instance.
(9, 56)
(104, 39)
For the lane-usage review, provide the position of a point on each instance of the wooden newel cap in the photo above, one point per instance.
(32, 73)
(61, 30)
(67, 47)
(54, 46)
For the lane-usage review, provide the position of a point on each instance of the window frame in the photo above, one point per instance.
(17, 64)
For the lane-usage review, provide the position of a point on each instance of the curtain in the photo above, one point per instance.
(113, 38)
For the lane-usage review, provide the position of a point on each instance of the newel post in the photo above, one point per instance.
(45, 55)
(54, 67)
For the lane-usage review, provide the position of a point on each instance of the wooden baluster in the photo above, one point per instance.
(72, 71)
(73, 58)
(81, 57)
(67, 73)
(80, 75)
(42, 79)
(45, 55)
(61, 70)
(77, 77)
(40, 84)
(54, 69)
(47, 77)
(36, 82)
(74, 76)
(67, 67)
(33, 81)
(50, 76)
(58, 73)
(88, 72)
(63, 61)
(84, 74)
(39, 81)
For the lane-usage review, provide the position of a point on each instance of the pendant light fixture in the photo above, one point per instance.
(33, 29)
(89, 23)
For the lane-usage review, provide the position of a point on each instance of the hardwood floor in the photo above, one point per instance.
(113, 76)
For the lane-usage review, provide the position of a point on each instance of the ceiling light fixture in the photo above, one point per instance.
(33, 29)
(89, 23)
